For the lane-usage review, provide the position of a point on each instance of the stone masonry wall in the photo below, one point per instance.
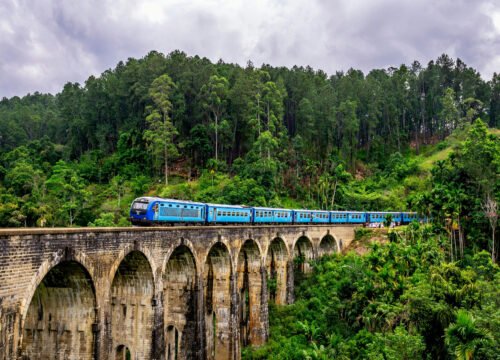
(158, 293)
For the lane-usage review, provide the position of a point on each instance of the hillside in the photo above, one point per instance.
(180, 126)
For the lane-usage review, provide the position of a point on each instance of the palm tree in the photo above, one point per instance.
(463, 338)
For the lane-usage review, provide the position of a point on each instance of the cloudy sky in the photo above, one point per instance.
(46, 43)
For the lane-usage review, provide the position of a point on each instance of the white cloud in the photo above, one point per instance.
(47, 43)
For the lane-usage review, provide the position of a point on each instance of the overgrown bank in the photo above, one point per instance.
(401, 300)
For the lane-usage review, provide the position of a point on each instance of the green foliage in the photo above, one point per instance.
(259, 136)
(397, 302)
(160, 133)
(104, 220)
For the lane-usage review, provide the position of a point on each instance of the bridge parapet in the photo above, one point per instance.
(191, 292)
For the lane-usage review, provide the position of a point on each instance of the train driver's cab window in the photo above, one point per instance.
(140, 205)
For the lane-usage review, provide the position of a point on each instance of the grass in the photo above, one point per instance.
(428, 162)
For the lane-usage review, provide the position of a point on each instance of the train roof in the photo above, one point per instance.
(228, 206)
(384, 212)
(269, 208)
(154, 198)
(310, 210)
(347, 211)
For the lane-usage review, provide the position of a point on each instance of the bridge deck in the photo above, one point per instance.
(45, 231)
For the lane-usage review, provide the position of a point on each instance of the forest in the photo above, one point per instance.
(415, 137)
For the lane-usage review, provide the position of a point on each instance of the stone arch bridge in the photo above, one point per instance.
(149, 293)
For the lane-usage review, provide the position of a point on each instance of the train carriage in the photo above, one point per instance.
(356, 217)
(272, 215)
(381, 216)
(311, 216)
(408, 217)
(228, 214)
(302, 216)
(150, 210)
(320, 217)
(339, 217)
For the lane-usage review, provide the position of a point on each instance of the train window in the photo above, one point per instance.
(169, 205)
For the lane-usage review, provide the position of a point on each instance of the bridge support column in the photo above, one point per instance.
(235, 328)
(9, 332)
(158, 343)
(264, 306)
(290, 281)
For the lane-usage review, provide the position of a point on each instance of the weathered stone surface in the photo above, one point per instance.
(153, 293)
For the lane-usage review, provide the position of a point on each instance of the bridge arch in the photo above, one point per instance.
(61, 313)
(277, 267)
(303, 253)
(122, 353)
(172, 342)
(124, 252)
(66, 254)
(217, 276)
(249, 287)
(180, 294)
(132, 291)
(182, 242)
(328, 245)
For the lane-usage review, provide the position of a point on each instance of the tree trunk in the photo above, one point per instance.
(334, 192)
(166, 162)
(216, 137)
(165, 150)
(493, 250)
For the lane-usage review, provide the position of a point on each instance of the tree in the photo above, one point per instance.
(67, 194)
(161, 131)
(491, 212)
(450, 114)
(215, 101)
(463, 338)
(349, 125)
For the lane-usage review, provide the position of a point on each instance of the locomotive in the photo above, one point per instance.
(149, 211)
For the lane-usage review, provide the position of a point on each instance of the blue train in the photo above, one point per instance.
(153, 211)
